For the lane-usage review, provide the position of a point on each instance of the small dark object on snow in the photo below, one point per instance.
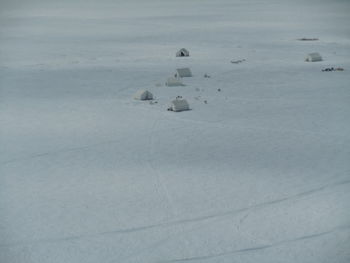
(179, 97)
(333, 69)
(237, 61)
(219, 90)
(205, 102)
(170, 109)
(328, 69)
(206, 75)
(307, 39)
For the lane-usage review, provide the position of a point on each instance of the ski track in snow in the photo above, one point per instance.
(181, 221)
(261, 247)
(160, 182)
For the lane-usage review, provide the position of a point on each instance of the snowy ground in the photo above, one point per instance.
(260, 173)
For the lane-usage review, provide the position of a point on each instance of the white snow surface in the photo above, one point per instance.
(259, 173)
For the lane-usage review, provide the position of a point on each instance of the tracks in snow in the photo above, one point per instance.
(181, 221)
(258, 248)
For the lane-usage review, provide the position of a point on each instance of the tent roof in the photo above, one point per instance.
(180, 105)
(143, 95)
(182, 52)
(174, 82)
(184, 72)
(313, 57)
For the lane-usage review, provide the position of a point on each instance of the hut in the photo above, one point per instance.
(179, 104)
(183, 52)
(173, 82)
(183, 73)
(143, 95)
(313, 57)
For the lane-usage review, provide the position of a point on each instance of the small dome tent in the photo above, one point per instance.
(183, 52)
(179, 105)
(143, 95)
(313, 57)
(183, 73)
(173, 82)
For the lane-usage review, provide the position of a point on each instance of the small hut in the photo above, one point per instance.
(183, 52)
(313, 57)
(143, 95)
(179, 104)
(173, 82)
(183, 73)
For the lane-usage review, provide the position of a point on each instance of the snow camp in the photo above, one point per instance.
(107, 157)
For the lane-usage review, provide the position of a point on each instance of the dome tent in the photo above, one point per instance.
(183, 52)
(143, 95)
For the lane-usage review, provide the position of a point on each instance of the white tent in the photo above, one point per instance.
(179, 105)
(183, 73)
(183, 52)
(173, 82)
(143, 95)
(313, 57)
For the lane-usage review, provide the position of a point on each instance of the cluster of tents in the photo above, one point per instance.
(178, 104)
